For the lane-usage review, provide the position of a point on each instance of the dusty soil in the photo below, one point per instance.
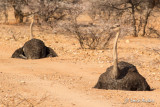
(67, 80)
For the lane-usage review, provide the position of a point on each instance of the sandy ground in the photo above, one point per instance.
(67, 80)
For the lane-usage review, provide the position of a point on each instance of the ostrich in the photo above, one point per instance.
(122, 75)
(34, 48)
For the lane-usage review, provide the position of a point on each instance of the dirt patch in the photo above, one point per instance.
(68, 80)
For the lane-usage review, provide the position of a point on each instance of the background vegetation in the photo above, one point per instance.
(135, 17)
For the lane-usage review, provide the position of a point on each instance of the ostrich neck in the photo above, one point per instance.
(115, 58)
(31, 29)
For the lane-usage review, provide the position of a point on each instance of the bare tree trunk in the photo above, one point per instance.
(5, 14)
(18, 15)
(134, 20)
(145, 23)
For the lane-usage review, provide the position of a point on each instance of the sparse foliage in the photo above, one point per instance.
(136, 12)
(62, 17)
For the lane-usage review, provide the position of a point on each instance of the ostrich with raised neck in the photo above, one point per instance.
(34, 48)
(122, 75)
